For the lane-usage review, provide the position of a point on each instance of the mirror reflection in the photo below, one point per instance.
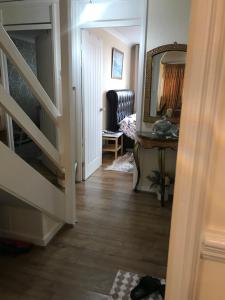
(167, 83)
(164, 82)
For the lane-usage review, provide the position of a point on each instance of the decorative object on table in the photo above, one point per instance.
(157, 183)
(169, 112)
(163, 128)
(117, 64)
(124, 163)
(125, 282)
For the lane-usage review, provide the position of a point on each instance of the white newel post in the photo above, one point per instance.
(67, 122)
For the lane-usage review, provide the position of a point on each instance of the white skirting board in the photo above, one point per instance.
(25, 223)
(36, 240)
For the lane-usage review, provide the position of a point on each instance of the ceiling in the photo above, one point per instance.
(129, 35)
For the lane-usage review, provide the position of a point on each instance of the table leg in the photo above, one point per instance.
(121, 141)
(116, 146)
(136, 159)
(162, 174)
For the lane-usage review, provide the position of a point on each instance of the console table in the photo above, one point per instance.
(146, 141)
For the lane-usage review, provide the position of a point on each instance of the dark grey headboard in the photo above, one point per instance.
(120, 104)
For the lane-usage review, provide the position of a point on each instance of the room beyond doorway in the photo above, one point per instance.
(109, 100)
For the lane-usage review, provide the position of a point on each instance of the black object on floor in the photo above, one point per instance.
(162, 290)
(12, 247)
(147, 286)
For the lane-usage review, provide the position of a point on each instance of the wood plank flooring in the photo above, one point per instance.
(117, 229)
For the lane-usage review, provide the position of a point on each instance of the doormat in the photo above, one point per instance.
(124, 282)
(123, 163)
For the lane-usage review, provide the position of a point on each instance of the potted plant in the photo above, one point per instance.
(156, 184)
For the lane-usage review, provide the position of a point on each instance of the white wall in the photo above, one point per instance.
(110, 41)
(134, 71)
(168, 21)
(101, 10)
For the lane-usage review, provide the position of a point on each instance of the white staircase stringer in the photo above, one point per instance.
(26, 184)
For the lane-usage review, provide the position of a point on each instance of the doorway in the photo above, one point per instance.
(109, 102)
(107, 15)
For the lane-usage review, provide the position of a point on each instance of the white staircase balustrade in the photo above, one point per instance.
(16, 176)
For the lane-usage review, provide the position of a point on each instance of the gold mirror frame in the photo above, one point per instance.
(148, 80)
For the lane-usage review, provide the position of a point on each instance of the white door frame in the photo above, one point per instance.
(202, 102)
(90, 167)
(77, 69)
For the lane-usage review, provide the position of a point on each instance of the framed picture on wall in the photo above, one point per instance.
(117, 64)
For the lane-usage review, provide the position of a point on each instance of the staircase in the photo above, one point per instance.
(3, 136)
(19, 179)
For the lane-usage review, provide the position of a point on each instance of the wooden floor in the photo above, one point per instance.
(117, 229)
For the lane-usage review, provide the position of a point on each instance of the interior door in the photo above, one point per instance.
(92, 56)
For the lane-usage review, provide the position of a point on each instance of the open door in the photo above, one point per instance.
(92, 56)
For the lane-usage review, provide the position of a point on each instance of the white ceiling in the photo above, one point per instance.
(129, 35)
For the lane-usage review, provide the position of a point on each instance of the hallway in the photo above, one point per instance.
(117, 229)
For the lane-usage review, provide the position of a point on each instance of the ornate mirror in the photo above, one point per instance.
(164, 82)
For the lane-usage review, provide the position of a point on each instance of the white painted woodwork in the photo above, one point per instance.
(109, 10)
(26, 184)
(199, 185)
(105, 14)
(22, 119)
(16, 214)
(10, 50)
(32, 188)
(28, 27)
(56, 56)
(92, 64)
(5, 83)
(67, 122)
(213, 246)
(25, 12)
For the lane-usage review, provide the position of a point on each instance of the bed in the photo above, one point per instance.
(120, 115)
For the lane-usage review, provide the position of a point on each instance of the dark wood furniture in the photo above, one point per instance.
(146, 141)
(120, 104)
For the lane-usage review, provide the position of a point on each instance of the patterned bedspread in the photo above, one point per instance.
(128, 126)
